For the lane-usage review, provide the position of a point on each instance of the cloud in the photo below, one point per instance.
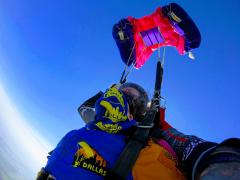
(19, 140)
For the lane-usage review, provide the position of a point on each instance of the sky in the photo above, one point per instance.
(56, 54)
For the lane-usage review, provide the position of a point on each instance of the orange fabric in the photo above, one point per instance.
(154, 162)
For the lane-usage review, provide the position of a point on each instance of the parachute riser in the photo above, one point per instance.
(155, 102)
(158, 80)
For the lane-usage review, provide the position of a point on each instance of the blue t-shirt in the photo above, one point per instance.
(85, 154)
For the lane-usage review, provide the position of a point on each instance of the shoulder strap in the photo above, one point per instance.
(129, 155)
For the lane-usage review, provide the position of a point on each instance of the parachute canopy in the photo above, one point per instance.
(169, 25)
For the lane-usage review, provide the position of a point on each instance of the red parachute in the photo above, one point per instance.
(168, 26)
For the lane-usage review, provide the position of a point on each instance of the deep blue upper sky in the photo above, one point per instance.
(56, 54)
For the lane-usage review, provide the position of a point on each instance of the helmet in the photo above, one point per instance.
(137, 99)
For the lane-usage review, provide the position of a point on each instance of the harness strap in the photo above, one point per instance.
(127, 159)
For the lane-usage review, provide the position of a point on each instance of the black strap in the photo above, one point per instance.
(44, 175)
(127, 159)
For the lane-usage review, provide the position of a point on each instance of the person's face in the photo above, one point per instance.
(129, 115)
(133, 93)
(137, 99)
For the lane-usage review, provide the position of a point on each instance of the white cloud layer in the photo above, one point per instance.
(20, 138)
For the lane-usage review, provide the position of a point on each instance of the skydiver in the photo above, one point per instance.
(195, 157)
(169, 154)
(105, 136)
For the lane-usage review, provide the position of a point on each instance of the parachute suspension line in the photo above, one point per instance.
(125, 73)
(130, 56)
(161, 59)
(159, 54)
(128, 72)
(162, 101)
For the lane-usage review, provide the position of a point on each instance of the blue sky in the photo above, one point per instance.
(56, 54)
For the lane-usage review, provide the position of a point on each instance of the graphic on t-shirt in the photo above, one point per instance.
(87, 158)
